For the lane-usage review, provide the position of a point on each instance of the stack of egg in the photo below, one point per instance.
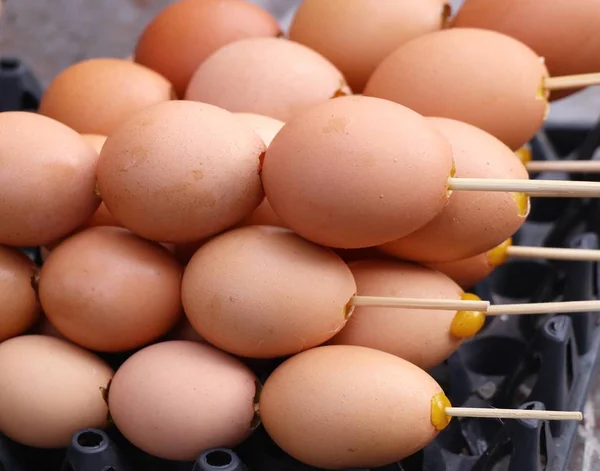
(226, 194)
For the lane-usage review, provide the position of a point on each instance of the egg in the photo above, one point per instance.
(109, 290)
(468, 271)
(185, 33)
(19, 308)
(343, 174)
(357, 35)
(563, 32)
(95, 95)
(176, 399)
(264, 292)
(340, 406)
(480, 77)
(420, 336)
(275, 77)
(47, 179)
(473, 221)
(181, 171)
(267, 128)
(50, 389)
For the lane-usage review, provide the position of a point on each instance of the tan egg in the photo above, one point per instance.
(184, 331)
(340, 406)
(225, 288)
(269, 76)
(263, 216)
(418, 335)
(109, 290)
(95, 95)
(50, 389)
(267, 128)
(357, 35)
(95, 140)
(474, 221)
(103, 217)
(19, 308)
(176, 399)
(468, 271)
(563, 32)
(181, 171)
(481, 77)
(343, 173)
(185, 33)
(47, 179)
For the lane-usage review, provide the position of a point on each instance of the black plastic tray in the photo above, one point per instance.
(526, 361)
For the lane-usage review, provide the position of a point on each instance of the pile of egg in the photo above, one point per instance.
(224, 194)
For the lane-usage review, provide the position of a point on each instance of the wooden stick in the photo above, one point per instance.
(486, 413)
(542, 308)
(572, 81)
(530, 187)
(553, 253)
(568, 166)
(420, 303)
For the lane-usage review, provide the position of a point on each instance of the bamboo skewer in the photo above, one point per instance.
(553, 253)
(420, 303)
(513, 413)
(530, 187)
(567, 166)
(542, 308)
(567, 82)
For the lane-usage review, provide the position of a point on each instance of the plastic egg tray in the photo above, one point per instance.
(544, 361)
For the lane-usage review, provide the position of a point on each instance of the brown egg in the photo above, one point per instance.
(47, 179)
(342, 406)
(269, 76)
(480, 77)
(19, 308)
(420, 336)
(263, 292)
(95, 95)
(357, 35)
(468, 271)
(50, 389)
(563, 32)
(109, 290)
(184, 331)
(185, 33)
(181, 171)
(267, 128)
(473, 221)
(177, 399)
(343, 173)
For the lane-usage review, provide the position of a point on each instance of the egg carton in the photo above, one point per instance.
(544, 361)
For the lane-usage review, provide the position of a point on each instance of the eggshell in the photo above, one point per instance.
(357, 35)
(181, 171)
(47, 179)
(270, 76)
(109, 290)
(468, 271)
(49, 389)
(418, 335)
(95, 95)
(267, 128)
(264, 292)
(19, 308)
(343, 173)
(481, 77)
(340, 406)
(474, 221)
(185, 33)
(563, 32)
(176, 399)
